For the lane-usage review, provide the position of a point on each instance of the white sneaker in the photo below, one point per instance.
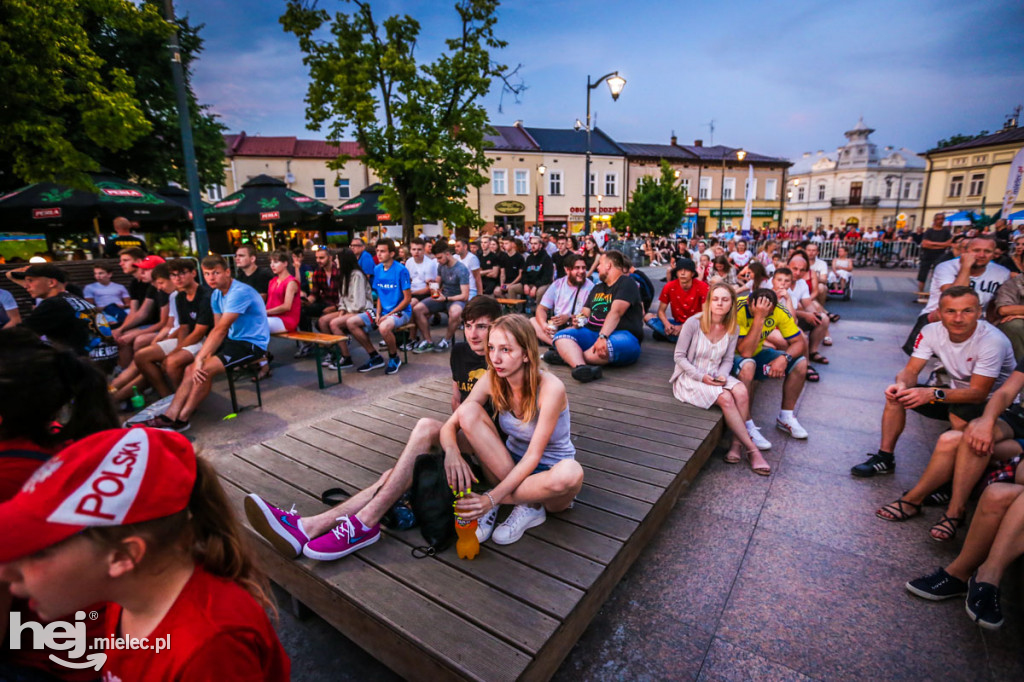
(760, 441)
(522, 518)
(382, 344)
(485, 525)
(442, 345)
(791, 426)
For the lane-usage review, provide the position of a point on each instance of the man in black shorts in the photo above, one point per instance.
(240, 335)
(360, 515)
(978, 358)
(934, 243)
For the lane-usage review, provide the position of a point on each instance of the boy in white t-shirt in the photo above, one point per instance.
(422, 270)
(110, 297)
(978, 358)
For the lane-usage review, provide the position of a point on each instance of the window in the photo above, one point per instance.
(344, 190)
(592, 184)
(799, 221)
(977, 183)
(980, 158)
(920, 186)
(685, 185)
(522, 181)
(960, 162)
(319, 188)
(906, 190)
(215, 192)
(956, 186)
(729, 188)
(821, 192)
(888, 190)
(817, 222)
(750, 189)
(499, 177)
(705, 188)
(611, 184)
(800, 193)
(555, 182)
(771, 187)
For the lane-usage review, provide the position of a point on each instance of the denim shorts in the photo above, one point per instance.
(623, 347)
(761, 360)
(400, 319)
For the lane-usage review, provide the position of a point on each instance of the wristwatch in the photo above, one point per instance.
(940, 395)
(603, 336)
(789, 358)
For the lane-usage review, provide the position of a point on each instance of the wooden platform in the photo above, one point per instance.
(516, 611)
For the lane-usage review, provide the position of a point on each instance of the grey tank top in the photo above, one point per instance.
(519, 434)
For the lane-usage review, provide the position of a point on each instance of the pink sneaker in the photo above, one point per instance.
(281, 528)
(349, 535)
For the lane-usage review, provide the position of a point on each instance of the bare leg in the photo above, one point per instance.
(454, 320)
(387, 332)
(988, 518)
(970, 467)
(570, 351)
(794, 385)
(939, 470)
(146, 360)
(894, 419)
(541, 330)
(195, 393)
(175, 365)
(817, 335)
(358, 332)
(1007, 546)
(420, 316)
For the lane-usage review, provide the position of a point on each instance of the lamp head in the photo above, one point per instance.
(600, 198)
(615, 85)
(576, 126)
(741, 154)
(542, 169)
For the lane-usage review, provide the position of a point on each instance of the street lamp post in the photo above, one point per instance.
(740, 154)
(615, 85)
(541, 170)
(889, 179)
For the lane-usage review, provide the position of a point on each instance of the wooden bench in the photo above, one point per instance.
(320, 342)
(511, 305)
(515, 611)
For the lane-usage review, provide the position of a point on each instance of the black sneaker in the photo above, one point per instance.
(305, 351)
(373, 363)
(983, 604)
(553, 358)
(876, 464)
(937, 586)
(940, 496)
(586, 373)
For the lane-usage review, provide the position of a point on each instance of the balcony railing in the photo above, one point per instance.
(857, 201)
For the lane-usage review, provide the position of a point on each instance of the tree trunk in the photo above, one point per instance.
(408, 217)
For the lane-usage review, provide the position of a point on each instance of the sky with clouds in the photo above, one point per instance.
(776, 77)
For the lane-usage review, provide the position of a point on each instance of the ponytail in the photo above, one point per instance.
(217, 540)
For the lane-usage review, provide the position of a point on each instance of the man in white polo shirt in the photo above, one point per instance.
(563, 300)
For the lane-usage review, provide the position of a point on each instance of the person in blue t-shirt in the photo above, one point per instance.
(393, 286)
(363, 256)
(240, 335)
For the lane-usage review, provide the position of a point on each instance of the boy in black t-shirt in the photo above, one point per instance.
(57, 315)
(289, 533)
(512, 264)
(247, 272)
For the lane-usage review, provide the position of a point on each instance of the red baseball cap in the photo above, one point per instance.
(112, 478)
(149, 262)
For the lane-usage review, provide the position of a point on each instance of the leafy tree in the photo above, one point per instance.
(620, 221)
(421, 125)
(658, 204)
(87, 83)
(958, 138)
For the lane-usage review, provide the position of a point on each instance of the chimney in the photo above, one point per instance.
(673, 139)
(698, 143)
(518, 123)
(807, 155)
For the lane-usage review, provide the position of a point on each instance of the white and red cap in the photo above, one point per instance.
(112, 478)
(149, 262)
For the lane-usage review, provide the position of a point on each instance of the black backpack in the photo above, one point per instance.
(433, 503)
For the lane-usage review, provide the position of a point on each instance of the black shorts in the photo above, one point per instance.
(929, 257)
(942, 411)
(1014, 418)
(234, 353)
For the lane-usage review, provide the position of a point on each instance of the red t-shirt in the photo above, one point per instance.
(684, 303)
(15, 469)
(217, 632)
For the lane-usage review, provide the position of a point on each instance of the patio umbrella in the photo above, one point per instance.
(265, 201)
(363, 210)
(55, 206)
(179, 196)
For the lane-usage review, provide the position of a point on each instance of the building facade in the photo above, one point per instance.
(971, 176)
(858, 185)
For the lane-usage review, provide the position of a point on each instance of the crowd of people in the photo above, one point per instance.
(160, 552)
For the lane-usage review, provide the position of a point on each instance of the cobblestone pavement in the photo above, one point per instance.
(789, 577)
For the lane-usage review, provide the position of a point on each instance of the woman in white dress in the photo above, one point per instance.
(704, 356)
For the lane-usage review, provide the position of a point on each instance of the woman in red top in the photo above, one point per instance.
(283, 301)
(173, 567)
(37, 381)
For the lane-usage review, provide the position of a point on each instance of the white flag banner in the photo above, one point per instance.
(1013, 184)
(749, 205)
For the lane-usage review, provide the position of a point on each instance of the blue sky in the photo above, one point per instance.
(777, 77)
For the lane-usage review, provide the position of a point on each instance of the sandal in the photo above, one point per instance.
(763, 470)
(896, 511)
(834, 317)
(818, 357)
(264, 373)
(827, 341)
(812, 375)
(731, 457)
(946, 528)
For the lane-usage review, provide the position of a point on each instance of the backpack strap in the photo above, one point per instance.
(26, 454)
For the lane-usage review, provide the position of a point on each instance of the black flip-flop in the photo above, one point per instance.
(812, 375)
(834, 317)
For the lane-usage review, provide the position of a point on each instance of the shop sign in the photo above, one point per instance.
(267, 216)
(122, 192)
(540, 209)
(40, 213)
(226, 203)
(383, 216)
(509, 207)
(594, 210)
(738, 213)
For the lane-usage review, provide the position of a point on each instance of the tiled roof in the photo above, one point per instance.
(1002, 137)
(512, 138)
(716, 153)
(290, 147)
(657, 151)
(567, 140)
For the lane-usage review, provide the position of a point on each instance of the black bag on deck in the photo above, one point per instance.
(433, 504)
